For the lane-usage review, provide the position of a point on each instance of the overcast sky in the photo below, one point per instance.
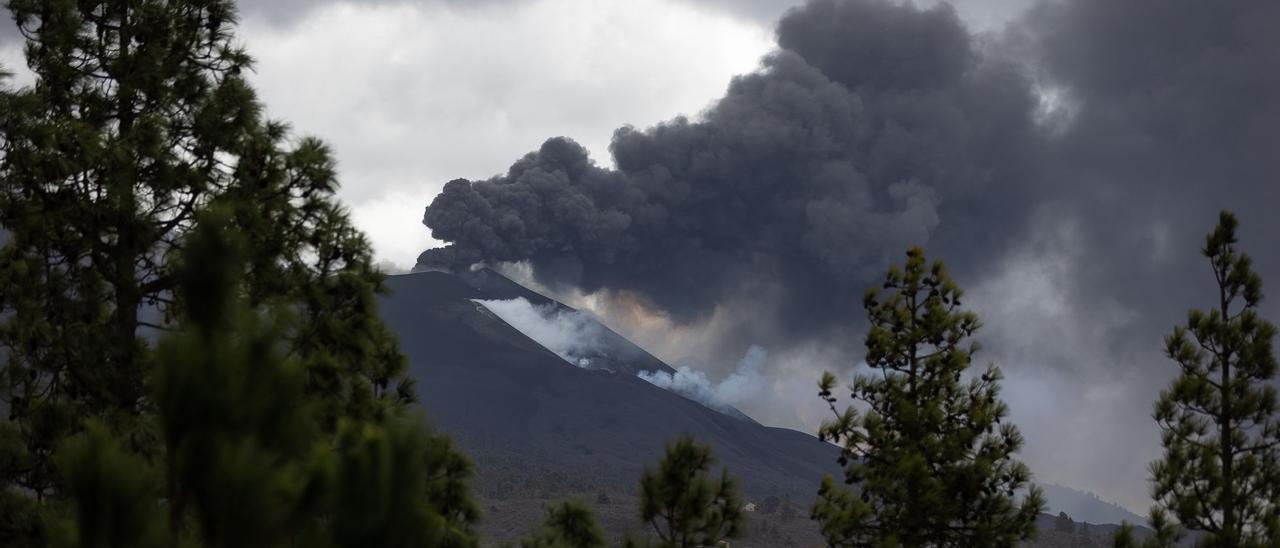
(413, 94)
(1065, 159)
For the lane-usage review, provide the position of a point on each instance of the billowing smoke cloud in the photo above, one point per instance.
(571, 334)
(687, 382)
(1066, 170)
(1170, 111)
(577, 337)
(807, 178)
(747, 382)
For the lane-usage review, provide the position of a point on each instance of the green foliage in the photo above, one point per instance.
(1219, 423)
(931, 459)
(567, 525)
(1124, 537)
(1165, 533)
(238, 430)
(19, 513)
(244, 461)
(113, 492)
(396, 486)
(685, 504)
(140, 119)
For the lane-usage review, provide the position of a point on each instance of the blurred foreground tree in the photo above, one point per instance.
(245, 462)
(140, 118)
(567, 525)
(932, 458)
(1219, 421)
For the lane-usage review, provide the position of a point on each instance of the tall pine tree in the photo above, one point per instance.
(140, 118)
(931, 460)
(1219, 421)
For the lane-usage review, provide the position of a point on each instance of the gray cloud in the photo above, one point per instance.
(9, 34)
(981, 14)
(762, 11)
(1170, 111)
(1169, 120)
(807, 177)
(286, 12)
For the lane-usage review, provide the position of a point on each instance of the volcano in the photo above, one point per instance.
(496, 389)
(542, 428)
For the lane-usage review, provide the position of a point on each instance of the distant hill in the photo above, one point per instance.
(1086, 507)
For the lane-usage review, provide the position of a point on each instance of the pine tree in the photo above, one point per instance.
(1165, 533)
(139, 119)
(1219, 421)
(237, 428)
(567, 525)
(112, 495)
(244, 460)
(397, 485)
(932, 458)
(686, 506)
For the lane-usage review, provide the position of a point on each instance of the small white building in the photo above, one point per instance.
(749, 507)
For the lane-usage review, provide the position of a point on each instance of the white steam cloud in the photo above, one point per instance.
(574, 336)
(578, 336)
(746, 383)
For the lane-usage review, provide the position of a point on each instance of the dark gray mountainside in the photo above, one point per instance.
(613, 351)
(540, 428)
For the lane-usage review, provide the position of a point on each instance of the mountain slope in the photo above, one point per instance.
(513, 403)
(540, 428)
(1086, 507)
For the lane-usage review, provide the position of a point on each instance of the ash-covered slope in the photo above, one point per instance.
(537, 424)
(1086, 507)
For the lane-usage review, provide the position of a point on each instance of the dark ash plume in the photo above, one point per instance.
(873, 128)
